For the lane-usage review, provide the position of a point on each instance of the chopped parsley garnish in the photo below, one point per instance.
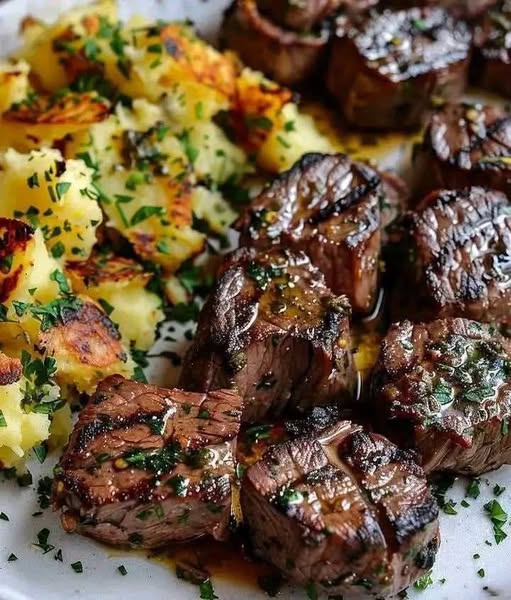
(145, 212)
(206, 591)
(122, 570)
(311, 591)
(3, 516)
(33, 181)
(157, 461)
(57, 250)
(42, 541)
(77, 566)
(182, 313)
(481, 573)
(498, 517)
(423, 582)
(498, 489)
(61, 280)
(58, 556)
(179, 485)
(12, 557)
(3, 422)
(449, 509)
(288, 497)
(189, 149)
(41, 452)
(62, 187)
(473, 489)
(256, 433)
(106, 306)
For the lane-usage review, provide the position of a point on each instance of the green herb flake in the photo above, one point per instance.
(12, 557)
(122, 570)
(106, 306)
(498, 517)
(77, 566)
(61, 280)
(206, 591)
(3, 422)
(473, 490)
(33, 181)
(41, 452)
(449, 509)
(145, 212)
(3, 516)
(481, 573)
(423, 582)
(61, 188)
(57, 250)
(498, 489)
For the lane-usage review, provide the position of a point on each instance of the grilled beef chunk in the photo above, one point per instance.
(345, 510)
(464, 144)
(455, 254)
(146, 466)
(444, 388)
(385, 68)
(275, 332)
(395, 200)
(289, 57)
(492, 56)
(328, 207)
(300, 16)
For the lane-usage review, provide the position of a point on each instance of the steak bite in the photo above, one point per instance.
(146, 466)
(273, 331)
(444, 389)
(386, 67)
(455, 254)
(464, 144)
(344, 510)
(289, 57)
(329, 207)
(300, 16)
(492, 55)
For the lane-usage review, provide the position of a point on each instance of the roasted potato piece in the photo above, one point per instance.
(14, 83)
(20, 429)
(43, 189)
(86, 346)
(266, 122)
(42, 120)
(119, 285)
(27, 275)
(43, 52)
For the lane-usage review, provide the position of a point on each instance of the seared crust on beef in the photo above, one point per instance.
(444, 389)
(289, 57)
(454, 255)
(345, 510)
(146, 466)
(300, 16)
(464, 144)
(272, 330)
(329, 207)
(385, 68)
(492, 50)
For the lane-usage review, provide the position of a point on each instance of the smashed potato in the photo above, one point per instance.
(13, 83)
(42, 120)
(56, 195)
(86, 346)
(20, 429)
(119, 285)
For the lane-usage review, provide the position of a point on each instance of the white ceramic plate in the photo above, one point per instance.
(38, 576)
